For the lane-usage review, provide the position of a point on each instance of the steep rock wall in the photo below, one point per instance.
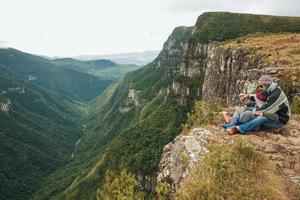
(187, 84)
(229, 72)
(234, 68)
(171, 55)
(194, 59)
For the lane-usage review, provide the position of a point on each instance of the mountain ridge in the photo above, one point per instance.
(136, 58)
(66, 82)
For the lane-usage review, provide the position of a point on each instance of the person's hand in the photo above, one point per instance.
(244, 96)
(259, 114)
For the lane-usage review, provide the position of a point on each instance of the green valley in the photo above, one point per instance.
(42, 104)
(104, 69)
(128, 127)
(65, 123)
(38, 129)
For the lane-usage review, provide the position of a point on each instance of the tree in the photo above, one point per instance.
(121, 186)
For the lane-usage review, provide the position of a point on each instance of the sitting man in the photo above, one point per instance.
(274, 113)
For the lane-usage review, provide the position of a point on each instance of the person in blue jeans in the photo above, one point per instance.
(274, 114)
(245, 113)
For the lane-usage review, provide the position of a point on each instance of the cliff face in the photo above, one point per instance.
(171, 55)
(192, 68)
(217, 70)
(194, 59)
(235, 66)
(232, 68)
(229, 72)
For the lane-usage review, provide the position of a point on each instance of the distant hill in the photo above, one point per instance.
(136, 58)
(102, 68)
(63, 80)
(82, 65)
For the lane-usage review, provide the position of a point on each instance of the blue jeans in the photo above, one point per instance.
(254, 124)
(240, 117)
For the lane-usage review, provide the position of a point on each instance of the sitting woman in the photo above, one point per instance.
(245, 113)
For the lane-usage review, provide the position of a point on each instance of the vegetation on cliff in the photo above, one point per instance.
(120, 186)
(220, 26)
(38, 129)
(231, 171)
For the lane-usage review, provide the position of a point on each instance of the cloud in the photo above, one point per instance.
(276, 7)
(3, 43)
(94, 26)
(152, 34)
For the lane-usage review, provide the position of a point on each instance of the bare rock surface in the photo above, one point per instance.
(182, 153)
(281, 147)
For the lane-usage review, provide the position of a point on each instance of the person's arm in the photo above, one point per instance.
(247, 96)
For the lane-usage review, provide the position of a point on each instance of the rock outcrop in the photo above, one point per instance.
(171, 56)
(133, 100)
(282, 147)
(181, 154)
(5, 106)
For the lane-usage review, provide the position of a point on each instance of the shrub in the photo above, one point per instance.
(203, 113)
(119, 186)
(163, 191)
(240, 40)
(295, 106)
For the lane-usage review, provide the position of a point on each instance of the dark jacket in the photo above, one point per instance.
(283, 110)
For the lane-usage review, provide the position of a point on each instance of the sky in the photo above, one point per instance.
(91, 27)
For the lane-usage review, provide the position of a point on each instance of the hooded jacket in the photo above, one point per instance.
(277, 105)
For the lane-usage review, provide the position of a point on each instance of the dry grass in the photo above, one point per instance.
(232, 172)
(280, 50)
(295, 106)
